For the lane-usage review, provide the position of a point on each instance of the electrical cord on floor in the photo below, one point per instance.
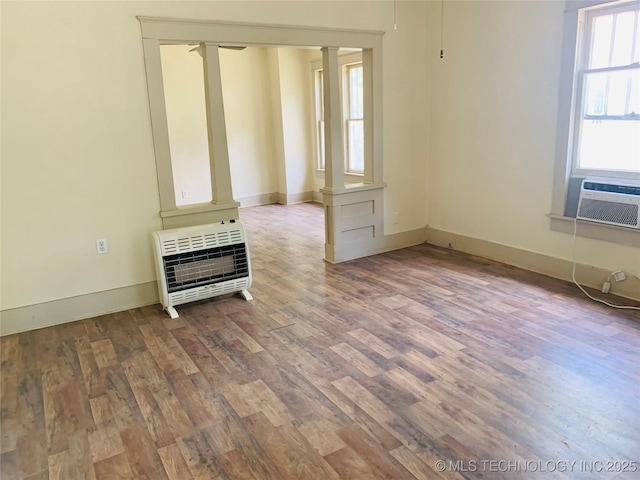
(573, 276)
(627, 274)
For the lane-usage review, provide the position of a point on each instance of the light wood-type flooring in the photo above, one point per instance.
(378, 368)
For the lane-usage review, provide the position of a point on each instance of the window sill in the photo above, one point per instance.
(198, 208)
(597, 231)
(352, 176)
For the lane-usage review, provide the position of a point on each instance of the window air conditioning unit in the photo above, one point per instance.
(610, 202)
(195, 263)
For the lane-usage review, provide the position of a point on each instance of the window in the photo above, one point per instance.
(354, 122)
(352, 93)
(606, 137)
(319, 123)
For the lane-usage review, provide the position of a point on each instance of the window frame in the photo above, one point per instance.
(319, 117)
(583, 49)
(347, 116)
(559, 221)
(344, 60)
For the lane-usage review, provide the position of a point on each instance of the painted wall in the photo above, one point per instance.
(295, 92)
(494, 100)
(77, 153)
(247, 108)
(183, 81)
(266, 109)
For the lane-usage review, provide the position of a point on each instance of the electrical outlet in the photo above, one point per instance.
(101, 246)
(619, 276)
(185, 194)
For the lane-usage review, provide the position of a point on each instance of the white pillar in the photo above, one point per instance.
(221, 191)
(333, 136)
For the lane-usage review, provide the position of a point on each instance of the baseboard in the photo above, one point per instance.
(31, 317)
(276, 197)
(396, 241)
(291, 198)
(256, 200)
(586, 275)
(316, 196)
(387, 243)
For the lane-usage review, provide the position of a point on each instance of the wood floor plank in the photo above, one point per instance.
(418, 469)
(143, 456)
(114, 468)
(105, 441)
(376, 368)
(32, 455)
(199, 456)
(174, 463)
(288, 451)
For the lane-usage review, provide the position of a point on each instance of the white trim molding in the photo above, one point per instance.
(56, 312)
(560, 268)
(210, 35)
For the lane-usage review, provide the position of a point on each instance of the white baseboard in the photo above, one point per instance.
(276, 197)
(56, 312)
(256, 200)
(586, 275)
(32, 317)
(316, 196)
(387, 243)
(291, 198)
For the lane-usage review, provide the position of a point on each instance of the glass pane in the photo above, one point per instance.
(355, 92)
(610, 145)
(321, 143)
(636, 56)
(623, 40)
(601, 46)
(634, 96)
(356, 145)
(618, 90)
(319, 96)
(596, 92)
(612, 93)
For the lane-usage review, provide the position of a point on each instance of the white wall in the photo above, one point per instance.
(77, 152)
(295, 98)
(250, 132)
(494, 101)
(183, 79)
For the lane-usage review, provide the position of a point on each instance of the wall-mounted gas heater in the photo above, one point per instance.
(610, 202)
(195, 263)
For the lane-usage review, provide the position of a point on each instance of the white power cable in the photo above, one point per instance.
(573, 276)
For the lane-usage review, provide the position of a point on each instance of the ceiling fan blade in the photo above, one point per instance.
(228, 47)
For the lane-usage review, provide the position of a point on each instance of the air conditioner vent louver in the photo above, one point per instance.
(610, 203)
(201, 262)
(610, 212)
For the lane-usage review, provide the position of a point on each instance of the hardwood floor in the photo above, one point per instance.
(377, 368)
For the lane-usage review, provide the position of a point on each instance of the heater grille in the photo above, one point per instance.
(609, 212)
(203, 261)
(192, 243)
(204, 267)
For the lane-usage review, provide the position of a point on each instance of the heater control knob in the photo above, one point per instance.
(232, 221)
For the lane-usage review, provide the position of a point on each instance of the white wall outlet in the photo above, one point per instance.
(101, 246)
(619, 276)
(185, 194)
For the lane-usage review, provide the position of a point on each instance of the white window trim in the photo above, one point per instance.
(346, 113)
(563, 163)
(581, 63)
(343, 61)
